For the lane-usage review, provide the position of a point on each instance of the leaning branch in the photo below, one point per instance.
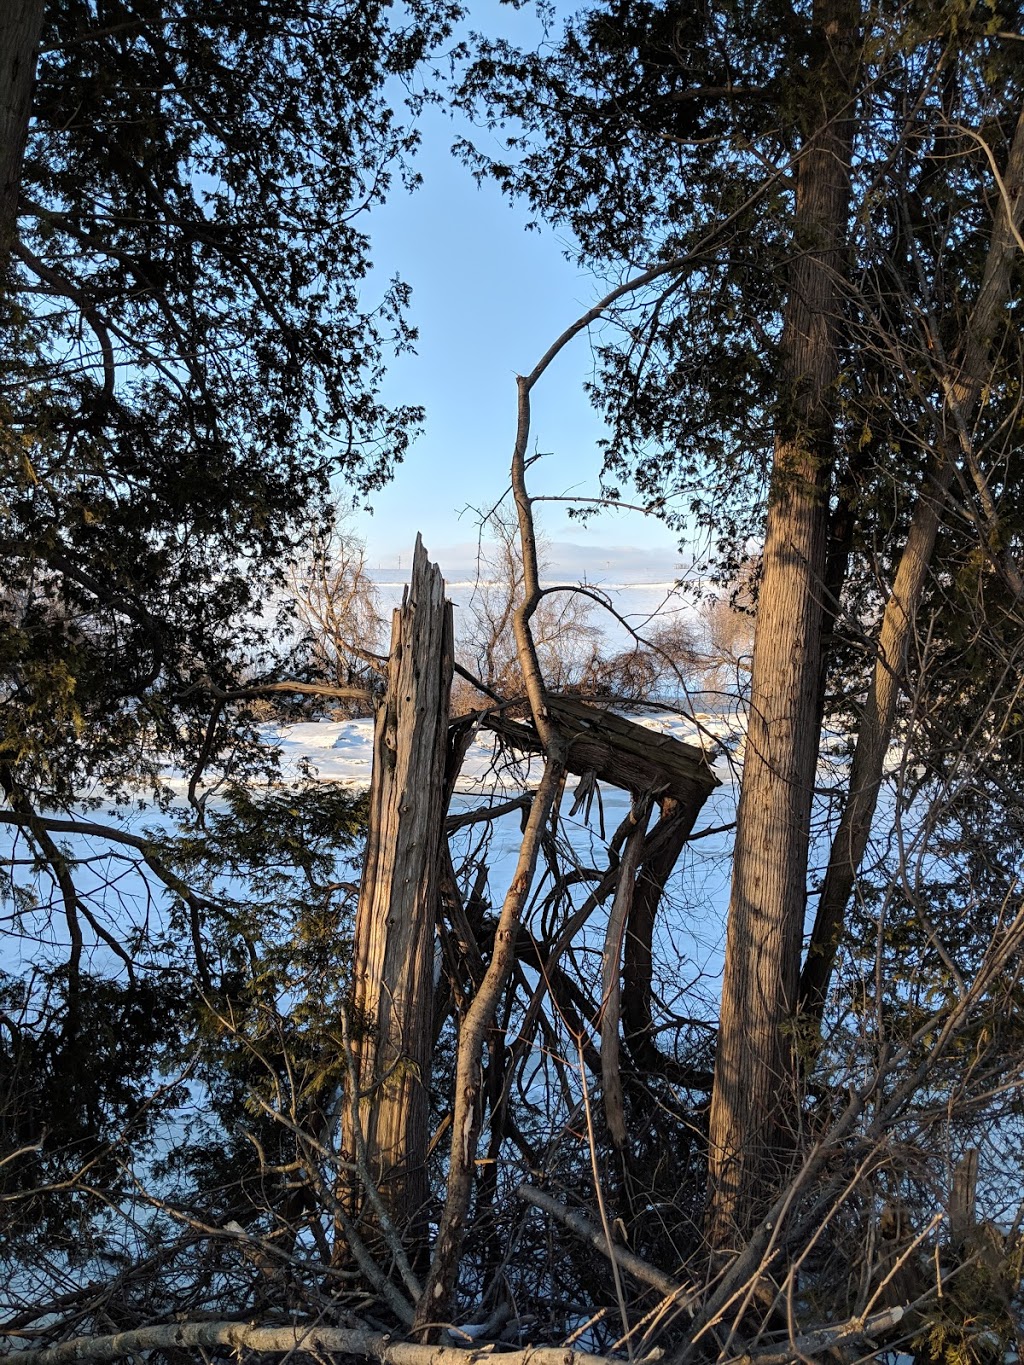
(655, 272)
(92, 829)
(433, 1305)
(611, 976)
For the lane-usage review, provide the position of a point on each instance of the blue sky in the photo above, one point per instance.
(488, 298)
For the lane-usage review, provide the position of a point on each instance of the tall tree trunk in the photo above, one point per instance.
(766, 909)
(21, 23)
(393, 979)
(964, 382)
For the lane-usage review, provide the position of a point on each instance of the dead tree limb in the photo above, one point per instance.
(434, 1304)
(479, 1018)
(611, 977)
(661, 853)
(304, 689)
(615, 749)
(657, 850)
(495, 812)
(314, 1340)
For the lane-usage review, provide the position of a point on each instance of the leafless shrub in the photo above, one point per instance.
(337, 604)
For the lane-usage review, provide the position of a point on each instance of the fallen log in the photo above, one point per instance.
(616, 750)
(311, 1340)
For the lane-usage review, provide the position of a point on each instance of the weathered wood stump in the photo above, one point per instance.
(392, 991)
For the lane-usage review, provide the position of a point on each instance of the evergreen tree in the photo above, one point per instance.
(192, 350)
(839, 188)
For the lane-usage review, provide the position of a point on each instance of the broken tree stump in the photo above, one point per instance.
(392, 987)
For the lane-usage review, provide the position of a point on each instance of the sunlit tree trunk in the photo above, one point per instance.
(766, 910)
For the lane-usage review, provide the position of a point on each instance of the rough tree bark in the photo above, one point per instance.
(21, 23)
(766, 907)
(966, 377)
(392, 992)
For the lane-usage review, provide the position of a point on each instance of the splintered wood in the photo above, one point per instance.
(392, 994)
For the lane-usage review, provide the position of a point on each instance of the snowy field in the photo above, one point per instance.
(692, 932)
(341, 752)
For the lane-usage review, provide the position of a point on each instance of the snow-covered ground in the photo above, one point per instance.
(691, 934)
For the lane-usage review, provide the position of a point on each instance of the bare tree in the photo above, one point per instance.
(727, 648)
(571, 628)
(336, 601)
(567, 637)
